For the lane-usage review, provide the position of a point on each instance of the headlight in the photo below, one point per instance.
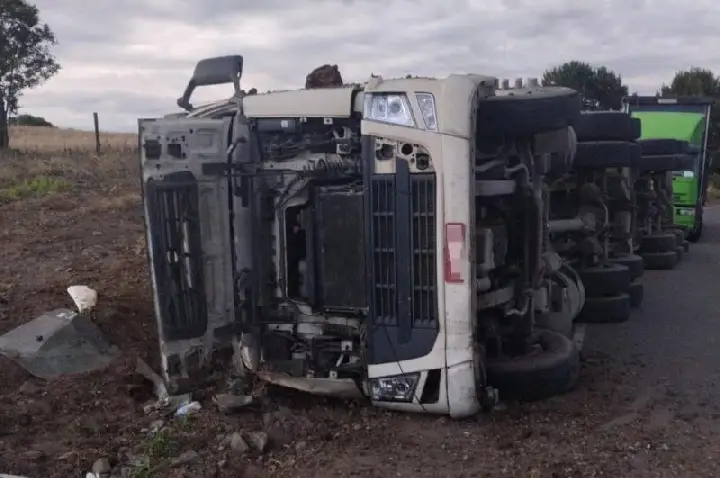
(392, 108)
(685, 212)
(688, 174)
(426, 101)
(398, 388)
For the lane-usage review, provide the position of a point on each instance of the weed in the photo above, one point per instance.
(36, 187)
(158, 448)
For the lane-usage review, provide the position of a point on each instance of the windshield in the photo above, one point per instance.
(683, 126)
(679, 125)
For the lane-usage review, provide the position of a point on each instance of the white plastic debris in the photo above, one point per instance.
(187, 409)
(84, 297)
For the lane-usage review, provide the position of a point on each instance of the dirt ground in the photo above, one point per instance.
(91, 233)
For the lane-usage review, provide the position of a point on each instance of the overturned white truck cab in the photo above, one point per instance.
(384, 240)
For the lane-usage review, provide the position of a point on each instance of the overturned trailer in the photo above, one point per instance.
(387, 241)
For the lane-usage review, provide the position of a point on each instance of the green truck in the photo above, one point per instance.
(685, 120)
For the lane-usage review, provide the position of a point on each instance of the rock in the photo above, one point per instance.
(237, 444)
(156, 426)
(139, 461)
(185, 458)
(67, 456)
(28, 388)
(258, 441)
(228, 403)
(101, 467)
(300, 446)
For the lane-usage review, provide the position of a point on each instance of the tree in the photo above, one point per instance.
(693, 82)
(29, 120)
(25, 58)
(600, 87)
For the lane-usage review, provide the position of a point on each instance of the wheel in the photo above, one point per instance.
(679, 253)
(679, 235)
(606, 126)
(665, 162)
(633, 262)
(659, 261)
(656, 147)
(605, 310)
(661, 242)
(552, 370)
(606, 154)
(528, 111)
(636, 293)
(696, 233)
(605, 279)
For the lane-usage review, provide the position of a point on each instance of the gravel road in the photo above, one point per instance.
(673, 342)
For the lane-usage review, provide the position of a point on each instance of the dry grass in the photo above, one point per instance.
(44, 161)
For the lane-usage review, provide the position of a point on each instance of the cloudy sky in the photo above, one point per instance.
(132, 58)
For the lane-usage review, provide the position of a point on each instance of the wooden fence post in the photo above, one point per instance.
(97, 132)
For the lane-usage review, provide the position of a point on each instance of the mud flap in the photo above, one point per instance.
(187, 218)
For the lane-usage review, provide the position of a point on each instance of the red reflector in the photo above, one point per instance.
(454, 252)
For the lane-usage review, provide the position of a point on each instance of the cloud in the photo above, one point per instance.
(133, 58)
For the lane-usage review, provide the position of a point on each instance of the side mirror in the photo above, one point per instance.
(213, 71)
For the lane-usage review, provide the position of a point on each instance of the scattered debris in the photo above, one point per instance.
(328, 387)
(185, 458)
(58, 343)
(61, 342)
(228, 403)
(101, 467)
(142, 368)
(84, 297)
(188, 408)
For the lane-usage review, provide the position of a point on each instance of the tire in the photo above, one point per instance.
(605, 310)
(604, 280)
(606, 126)
(679, 235)
(636, 293)
(554, 371)
(660, 261)
(653, 147)
(606, 154)
(662, 242)
(666, 162)
(679, 252)
(633, 262)
(528, 111)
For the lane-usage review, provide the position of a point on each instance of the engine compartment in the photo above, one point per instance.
(309, 195)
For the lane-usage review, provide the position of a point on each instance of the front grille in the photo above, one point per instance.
(424, 246)
(174, 226)
(403, 228)
(383, 231)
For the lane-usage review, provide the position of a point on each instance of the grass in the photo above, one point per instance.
(45, 161)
